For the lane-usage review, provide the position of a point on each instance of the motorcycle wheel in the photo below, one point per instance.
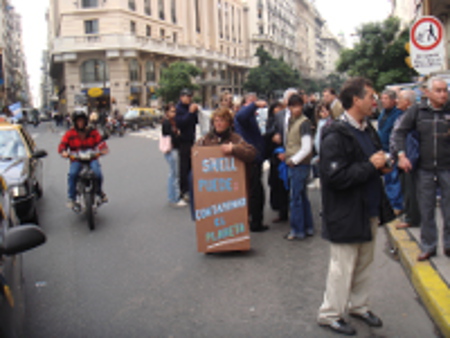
(89, 201)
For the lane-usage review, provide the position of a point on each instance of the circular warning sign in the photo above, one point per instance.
(427, 33)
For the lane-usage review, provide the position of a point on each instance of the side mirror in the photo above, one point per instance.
(22, 238)
(39, 154)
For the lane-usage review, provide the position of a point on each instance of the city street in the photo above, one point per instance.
(139, 273)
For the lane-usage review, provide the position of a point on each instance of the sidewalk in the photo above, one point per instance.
(430, 279)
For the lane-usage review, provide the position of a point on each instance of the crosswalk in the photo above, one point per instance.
(150, 133)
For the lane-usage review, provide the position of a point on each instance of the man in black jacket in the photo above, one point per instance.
(351, 165)
(431, 120)
(186, 120)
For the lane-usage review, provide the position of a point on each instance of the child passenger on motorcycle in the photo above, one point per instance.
(81, 137)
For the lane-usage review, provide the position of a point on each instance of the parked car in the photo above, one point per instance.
(21, 165)
(14, 239)
(136, 118)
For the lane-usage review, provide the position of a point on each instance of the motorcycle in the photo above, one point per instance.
(115, 126)
(87, 200)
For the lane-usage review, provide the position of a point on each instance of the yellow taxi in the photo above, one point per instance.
(21, 166)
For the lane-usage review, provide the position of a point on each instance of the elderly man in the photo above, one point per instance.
(351, 196)
(411, 217)
(431, 121)
(330, 98)
(388, 116)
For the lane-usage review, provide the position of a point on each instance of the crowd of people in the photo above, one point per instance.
(369, 175)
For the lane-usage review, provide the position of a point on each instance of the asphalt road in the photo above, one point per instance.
(139, 274)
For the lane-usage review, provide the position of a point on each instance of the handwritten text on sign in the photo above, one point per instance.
(220, 199)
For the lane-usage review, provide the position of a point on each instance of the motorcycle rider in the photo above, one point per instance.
(82, 137)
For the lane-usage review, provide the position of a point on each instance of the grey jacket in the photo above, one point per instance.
(433, 127)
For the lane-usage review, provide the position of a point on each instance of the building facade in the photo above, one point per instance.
(274, 25)
(122, 46)
(14, 84)
(332, 50)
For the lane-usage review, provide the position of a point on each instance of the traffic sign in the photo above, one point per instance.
(427, 45)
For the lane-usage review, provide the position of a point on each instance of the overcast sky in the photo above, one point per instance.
(341, 16)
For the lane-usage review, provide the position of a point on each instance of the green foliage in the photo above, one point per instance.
(380, 54)
(271, 75)
(176, 77)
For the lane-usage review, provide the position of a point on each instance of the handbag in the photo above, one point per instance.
(165, 143)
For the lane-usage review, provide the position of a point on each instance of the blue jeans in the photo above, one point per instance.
(393, 187)
(301, 216)
(173, 189)
(74, 170)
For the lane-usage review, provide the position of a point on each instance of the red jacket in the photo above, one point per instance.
(72, 141)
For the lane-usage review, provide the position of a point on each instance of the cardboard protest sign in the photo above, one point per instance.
(220, 201)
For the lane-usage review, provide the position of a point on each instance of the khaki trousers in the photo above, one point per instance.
(348, 279)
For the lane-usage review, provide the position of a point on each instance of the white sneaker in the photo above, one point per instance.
(179, 204)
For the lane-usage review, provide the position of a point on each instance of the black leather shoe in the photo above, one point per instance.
(262, 228)
(424, 255)
(340, 326)
(369, 318)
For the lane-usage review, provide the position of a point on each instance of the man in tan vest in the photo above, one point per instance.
(298, 157)
(330, 98)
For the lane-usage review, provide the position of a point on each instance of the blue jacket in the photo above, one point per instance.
(186, 122)
(246, 125)
(386, 124)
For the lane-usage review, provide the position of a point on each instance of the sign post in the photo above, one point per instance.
(427, 45)
(220, 201)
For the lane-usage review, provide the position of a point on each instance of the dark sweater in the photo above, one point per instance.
(167, 130)
(246, 125)
(186, 122)
(373, 186)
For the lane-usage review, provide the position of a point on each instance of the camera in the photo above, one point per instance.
(389, 161)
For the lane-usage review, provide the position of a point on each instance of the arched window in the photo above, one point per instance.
(150, 71)
(94, 70)
(135, 74)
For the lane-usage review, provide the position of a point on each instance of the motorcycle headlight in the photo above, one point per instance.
(19, 191)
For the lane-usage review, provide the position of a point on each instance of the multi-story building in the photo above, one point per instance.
(274, 25)
(332, 50)
(408, 11)
(121, 46)
(13, 75)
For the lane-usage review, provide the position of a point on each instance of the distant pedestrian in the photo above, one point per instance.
(324, 118)
(277, 129)
(351, 164)
(186, 120)
(247, 126)
(298, 156)
(170, 143)
(330, 98)
(431, 121)
(279, 200)
(386, 120)
(411, 215)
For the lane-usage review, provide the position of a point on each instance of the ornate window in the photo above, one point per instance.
(197, 17)
(161, 9)
(219, 8)
(132, 5)
(89, 3)
(91, 26)
(163, 66)
(174, 11)
(134, 69)
(94, 71)
(150, 73)
(147, 7)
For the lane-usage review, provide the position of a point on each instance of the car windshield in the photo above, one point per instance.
(131, 113)
(11, 145)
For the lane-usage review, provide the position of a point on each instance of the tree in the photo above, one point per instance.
(380, 54)
(270, 75)
(176, 77)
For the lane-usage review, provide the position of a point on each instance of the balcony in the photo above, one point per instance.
(63, 47)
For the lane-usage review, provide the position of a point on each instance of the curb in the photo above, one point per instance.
(432, 289)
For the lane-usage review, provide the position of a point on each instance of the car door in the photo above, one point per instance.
(12, 311)
(36, 165)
